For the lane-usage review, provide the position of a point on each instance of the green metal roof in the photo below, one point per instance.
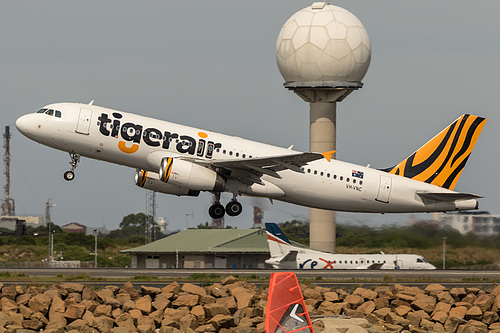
(207, 241)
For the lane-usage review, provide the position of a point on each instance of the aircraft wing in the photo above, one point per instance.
(269, 165)
(372, 266)
(448, 197)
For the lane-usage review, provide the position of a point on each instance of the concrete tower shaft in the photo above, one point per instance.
(323, 52)
(322, 138)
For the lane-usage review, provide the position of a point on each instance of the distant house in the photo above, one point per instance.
(74, 227)
(204, 248)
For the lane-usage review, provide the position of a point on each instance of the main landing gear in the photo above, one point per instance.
(70, 175)
(217, 211)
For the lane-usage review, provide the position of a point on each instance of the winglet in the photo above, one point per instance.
(328, 155)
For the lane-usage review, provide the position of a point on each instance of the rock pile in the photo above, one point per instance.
(399, 308)
(238, 306)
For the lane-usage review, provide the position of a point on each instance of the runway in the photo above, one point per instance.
(386, 276)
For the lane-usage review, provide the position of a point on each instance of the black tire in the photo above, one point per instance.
(69, 175)
(234, 208)
(216, 211)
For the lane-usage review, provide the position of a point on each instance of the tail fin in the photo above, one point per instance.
(286, 309)
(441, 160)
(279, 245)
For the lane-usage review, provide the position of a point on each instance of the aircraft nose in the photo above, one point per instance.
(23, 124)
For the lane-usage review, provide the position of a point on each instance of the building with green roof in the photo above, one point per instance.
(204, 248)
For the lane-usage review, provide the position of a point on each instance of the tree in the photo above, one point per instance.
(134, 220)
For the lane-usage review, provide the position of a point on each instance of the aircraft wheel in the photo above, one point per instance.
(216, 211)
(234, 208)
(69, 175)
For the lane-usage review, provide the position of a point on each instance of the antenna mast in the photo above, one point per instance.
(150, 227)
(9, 206)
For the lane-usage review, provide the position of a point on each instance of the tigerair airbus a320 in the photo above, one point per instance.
(181, 160)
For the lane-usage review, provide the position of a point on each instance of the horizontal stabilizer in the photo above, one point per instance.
(290, 256)
(448, 197)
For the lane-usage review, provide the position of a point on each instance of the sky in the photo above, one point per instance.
(211, 64)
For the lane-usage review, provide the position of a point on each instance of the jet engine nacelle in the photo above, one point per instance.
(151, 181)
(182, 173)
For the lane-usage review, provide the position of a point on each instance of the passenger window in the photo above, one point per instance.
(315, 172)
(354, 181)
(347, 179)
(334, 176)
(341, 178)
(360, 182)
(58, 114)
(321, 174)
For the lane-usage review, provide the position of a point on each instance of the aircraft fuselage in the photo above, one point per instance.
(141, 142)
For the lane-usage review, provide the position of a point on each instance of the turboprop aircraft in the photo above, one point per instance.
(180, 160)
(284, 255)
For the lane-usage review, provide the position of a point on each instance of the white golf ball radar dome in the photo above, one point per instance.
(323, 43)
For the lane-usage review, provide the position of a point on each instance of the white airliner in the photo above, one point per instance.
(181, 160)
(286, 256)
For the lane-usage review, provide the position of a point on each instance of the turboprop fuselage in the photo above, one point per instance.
(187, 159)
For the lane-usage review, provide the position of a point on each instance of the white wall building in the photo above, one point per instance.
(479, 223)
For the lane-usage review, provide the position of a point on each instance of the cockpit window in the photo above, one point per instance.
(50, 112)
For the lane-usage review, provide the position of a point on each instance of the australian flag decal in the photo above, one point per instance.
(357, 174)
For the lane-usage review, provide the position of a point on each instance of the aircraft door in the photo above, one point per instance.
(83, 125)
(384, 190)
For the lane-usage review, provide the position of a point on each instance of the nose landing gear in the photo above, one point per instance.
(70, 175)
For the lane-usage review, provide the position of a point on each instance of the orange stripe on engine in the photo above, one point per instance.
(168, 171)
(143, 178)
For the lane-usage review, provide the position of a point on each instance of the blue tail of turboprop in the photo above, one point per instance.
(273, 229)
